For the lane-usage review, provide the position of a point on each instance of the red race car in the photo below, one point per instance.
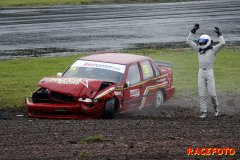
(101, 85)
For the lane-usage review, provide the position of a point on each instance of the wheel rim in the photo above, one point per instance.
(159, 99)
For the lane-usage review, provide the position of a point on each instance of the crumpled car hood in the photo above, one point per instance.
(77, 87)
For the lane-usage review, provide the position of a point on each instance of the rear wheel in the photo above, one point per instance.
(159, 99)
(109, 110)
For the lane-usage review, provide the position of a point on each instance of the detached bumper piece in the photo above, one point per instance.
(60, 111)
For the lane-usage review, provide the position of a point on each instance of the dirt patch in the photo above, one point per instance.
(165, 133)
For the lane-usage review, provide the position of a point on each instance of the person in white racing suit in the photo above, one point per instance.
(206, 56)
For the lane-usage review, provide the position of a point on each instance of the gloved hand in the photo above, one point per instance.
(195, 28)
(217, 31)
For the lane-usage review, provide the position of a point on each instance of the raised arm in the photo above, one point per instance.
(221, 41)
(190, 37)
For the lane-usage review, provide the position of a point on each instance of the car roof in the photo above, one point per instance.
(117, 58)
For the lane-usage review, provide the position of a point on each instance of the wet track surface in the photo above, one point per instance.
(49, 31)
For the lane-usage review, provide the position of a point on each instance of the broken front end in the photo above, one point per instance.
(69, 98)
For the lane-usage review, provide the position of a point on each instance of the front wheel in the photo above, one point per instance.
(109, 109)
(159, 99)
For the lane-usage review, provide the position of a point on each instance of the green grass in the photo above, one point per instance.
(121, 139)
(19, 78)
(185, 68)
(27, 3)
(83, 155)
(96, 138)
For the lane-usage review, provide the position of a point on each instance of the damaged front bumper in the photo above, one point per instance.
(63, 111)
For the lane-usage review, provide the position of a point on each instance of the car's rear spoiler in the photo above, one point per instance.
(164, 64)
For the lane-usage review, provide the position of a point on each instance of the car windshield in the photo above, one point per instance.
(96, 70)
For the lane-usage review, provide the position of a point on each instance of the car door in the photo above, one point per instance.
(149, 83)
(133, 93)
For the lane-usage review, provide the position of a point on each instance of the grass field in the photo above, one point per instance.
(28, 3)
(19, 78)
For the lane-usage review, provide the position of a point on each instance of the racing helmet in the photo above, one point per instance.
(204, 41)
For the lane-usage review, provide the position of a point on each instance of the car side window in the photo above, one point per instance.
(147, 70)
(156, 70)
(134, 76)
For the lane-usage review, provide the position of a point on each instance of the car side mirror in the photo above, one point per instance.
(59, 74)
(127, 85)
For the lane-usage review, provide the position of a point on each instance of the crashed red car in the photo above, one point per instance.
(101, 85)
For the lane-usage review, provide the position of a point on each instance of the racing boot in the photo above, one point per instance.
(215, 106)
(216, 112)
(204, 115)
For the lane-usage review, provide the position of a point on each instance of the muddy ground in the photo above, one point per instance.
(147, 134)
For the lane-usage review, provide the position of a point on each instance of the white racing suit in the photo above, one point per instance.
(206, 59)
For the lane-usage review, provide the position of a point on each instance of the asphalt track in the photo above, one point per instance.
(61, 30)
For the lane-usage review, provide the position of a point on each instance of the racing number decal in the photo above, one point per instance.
(73, 68)
(146, 71)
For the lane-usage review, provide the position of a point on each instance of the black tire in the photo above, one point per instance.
(159, 99)
(109, 110)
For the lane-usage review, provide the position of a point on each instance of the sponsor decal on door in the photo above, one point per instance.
(134, 93)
